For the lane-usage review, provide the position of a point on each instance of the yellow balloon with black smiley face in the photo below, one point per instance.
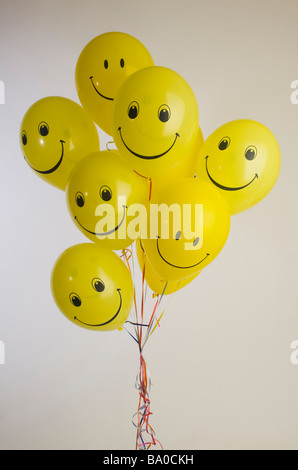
(185, 167)
(55, 134)
(99, 194)
(104, 63)
(92, 287)
(155, 121)
(156, 284)
(195, 223)
(242, 160)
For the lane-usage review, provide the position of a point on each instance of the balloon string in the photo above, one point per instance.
(130, 334)
(157, 323)
(142, 304)
(127, 258)
(143, 412)
(109, 143)
(145, 437)
(150, 183)
(133, 323)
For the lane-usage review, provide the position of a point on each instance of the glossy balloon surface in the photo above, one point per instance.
(55, 134)
(100, 193)
(184, 244)
(155, 120)
(92, 287)
(242, 159)
(103, 65)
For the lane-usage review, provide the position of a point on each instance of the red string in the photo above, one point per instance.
(150, 183)
(145, 433)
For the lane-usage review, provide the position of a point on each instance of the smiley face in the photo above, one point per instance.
(55, 134)
(179, 250)
(99, 193)
(155, 120)
(103, 65)
(242, 159)
(92, 287)
(156, 284)
(203, 227)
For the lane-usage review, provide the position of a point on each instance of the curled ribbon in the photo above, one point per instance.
(145, 437)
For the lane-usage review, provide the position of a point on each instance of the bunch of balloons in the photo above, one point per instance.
(164, 191)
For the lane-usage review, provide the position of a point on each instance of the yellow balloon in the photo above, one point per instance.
(185, 167)
(242, 159)
(92, 287)
(195, 226)
(99, 194)
(156, 284)
(155, 120)
(55, 134)
(103, 65)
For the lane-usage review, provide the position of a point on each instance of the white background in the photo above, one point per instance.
(220, 361)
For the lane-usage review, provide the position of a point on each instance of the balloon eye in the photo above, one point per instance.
(106, 64)
(178, 235)
(43, 128)
(122, 63)
(250, 152)
(80, 200)
(196, 241)
(75, 299)
(164, 113)
(133, 110)
(105, 193)
(98, 285)
(224, 143)
(24, 138)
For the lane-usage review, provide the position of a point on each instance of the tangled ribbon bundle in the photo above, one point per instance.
(142, 331)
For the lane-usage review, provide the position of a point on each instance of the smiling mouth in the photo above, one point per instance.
(227, 188)
(98, 92)
(98, 234)
(51, 170)
(149, 157)
(174, 265)
(107, 322)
